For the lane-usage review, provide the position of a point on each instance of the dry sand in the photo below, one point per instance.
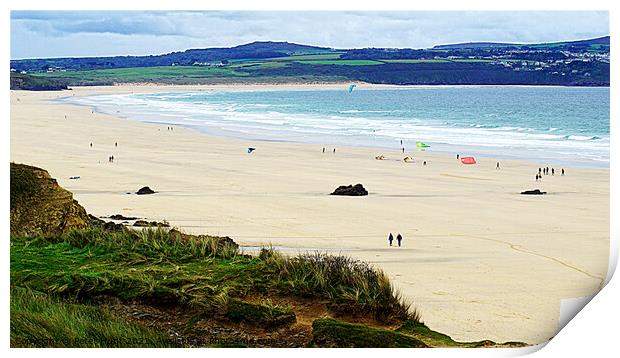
(479, 260)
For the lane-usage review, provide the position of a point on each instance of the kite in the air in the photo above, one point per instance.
(419, 144)
(351, 87)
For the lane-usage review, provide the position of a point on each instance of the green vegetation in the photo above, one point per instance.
(203, 272)
(430, 60)
(143, 74)
(39, 320)
(333, 333)
(263, 315)
(342, 62)
(20, 81)
(328, 56)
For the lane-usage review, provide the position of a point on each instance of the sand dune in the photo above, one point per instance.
(479, 260)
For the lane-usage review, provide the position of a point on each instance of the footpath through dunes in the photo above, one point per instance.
(85, 286)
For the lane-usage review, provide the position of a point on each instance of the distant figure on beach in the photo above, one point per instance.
(547, 171)
(424, 163)
(401, 142)
(457, 157)
(65, 116)
(562, 171)
(552, 171)
(91, 144)
(334, 151)
(323, 149)
(399, 239)
(403, 149)
(116, 144)
(537, 176)
(539, 171)
(390, 239)
(497, 166)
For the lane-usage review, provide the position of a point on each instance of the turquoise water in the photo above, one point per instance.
(549, 124)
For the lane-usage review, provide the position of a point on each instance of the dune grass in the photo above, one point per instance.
(168, 268)
(39, 320)
(329, 332)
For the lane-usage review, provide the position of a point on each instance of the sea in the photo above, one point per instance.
(555, 125)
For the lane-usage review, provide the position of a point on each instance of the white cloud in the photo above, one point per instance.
(97, 33)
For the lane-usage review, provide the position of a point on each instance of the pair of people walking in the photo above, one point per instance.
(399, 239)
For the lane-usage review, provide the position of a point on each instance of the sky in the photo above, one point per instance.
(39, 34)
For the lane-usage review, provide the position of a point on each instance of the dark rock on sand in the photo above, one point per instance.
(144, 223)
(145, 190)
(39, 206)
(121, 217)
(105, 225)
(350, 190)
(533, 192)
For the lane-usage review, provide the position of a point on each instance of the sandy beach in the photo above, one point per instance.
(479, 261)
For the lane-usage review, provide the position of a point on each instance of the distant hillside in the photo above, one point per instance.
(567, 44)
(576, 63)
(21, 81)
(256, 50)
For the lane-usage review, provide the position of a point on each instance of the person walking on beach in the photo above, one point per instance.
(116, 144)
(497, 166)
(399, 239)
(547, 169)
(457, 157)
(562, 171)
(537, 176)
(390, 239)
(403, 149)
(401, 142)
(334, 151)
(552, 171)
(323, 149)
(91, 144)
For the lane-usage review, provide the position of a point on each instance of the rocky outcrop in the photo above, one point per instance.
(533, 192)
(145, 190)
(122, 217)
(350, 190)
(144, 223)
(39, 206)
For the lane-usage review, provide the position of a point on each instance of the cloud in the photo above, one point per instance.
(71, 33)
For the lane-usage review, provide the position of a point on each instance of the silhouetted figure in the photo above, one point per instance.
(562, 171)
(424, 163)
(399, 239)
(539, 171)
(401, 142)
(552, 171)
(457, 157)
(537, 176)
(390, 239)
(497, 166)
(334, 151)
(403, 149)
(116, 144)
(323, 149)
(547, 169)
(91, 145)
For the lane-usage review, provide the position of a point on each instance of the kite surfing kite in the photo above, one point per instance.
(419, 144)
(250, 150)
(351, 87)
(468, 160)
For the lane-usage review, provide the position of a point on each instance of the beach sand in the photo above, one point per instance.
(479, 261)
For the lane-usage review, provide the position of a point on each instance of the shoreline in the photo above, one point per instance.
(438, 147)
(479, 259)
